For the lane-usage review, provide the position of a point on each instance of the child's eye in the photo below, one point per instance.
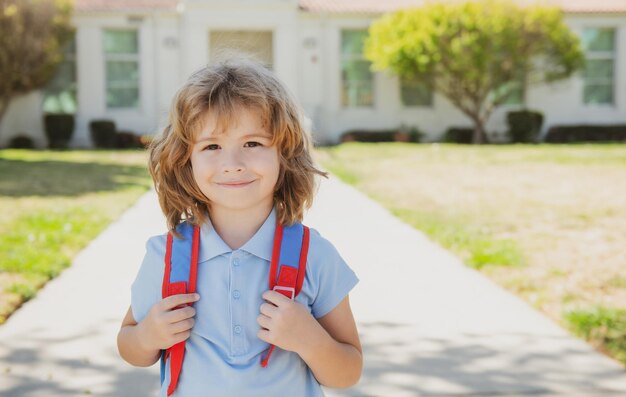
(211, 147)
(253, 144)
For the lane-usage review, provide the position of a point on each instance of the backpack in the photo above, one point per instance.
(291, 245)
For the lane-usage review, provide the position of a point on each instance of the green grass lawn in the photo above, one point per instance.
(547, 222)
(53, 204)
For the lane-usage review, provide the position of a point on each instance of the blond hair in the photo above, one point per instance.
(221, 89)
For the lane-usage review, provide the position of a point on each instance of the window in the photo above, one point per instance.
(59, 95)
(121, 50)
(415, 92)
(516, 93)
(599, 75)
(357, 82)
(512, 92)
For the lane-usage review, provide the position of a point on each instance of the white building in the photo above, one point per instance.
(130, 56)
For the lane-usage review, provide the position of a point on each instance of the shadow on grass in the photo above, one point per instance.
(63, 178)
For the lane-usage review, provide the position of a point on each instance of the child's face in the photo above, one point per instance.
(236, 170)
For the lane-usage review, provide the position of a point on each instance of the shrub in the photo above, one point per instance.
(586, 133)
(59, 128)
(21, 142)
(369, 135)
(103, 133)
(127, 140)
(524, 125)
(409, 134)
(458, 135)
(402, 134)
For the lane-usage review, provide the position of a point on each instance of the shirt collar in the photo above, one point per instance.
(260, 245)
(211, 244)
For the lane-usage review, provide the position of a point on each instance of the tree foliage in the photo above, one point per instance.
(32, 36)
(471, 52)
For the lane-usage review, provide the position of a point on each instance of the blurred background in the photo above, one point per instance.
(495, 128)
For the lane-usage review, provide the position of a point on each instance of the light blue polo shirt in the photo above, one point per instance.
(223, 353)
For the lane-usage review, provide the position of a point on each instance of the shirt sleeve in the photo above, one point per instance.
(332, 275)
(146, 289)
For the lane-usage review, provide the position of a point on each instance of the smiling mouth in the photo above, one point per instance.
(235, 184)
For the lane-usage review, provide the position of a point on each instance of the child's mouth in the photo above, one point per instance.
(235, 184)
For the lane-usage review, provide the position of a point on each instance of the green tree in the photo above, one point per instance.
(32, 36)
(473, 53)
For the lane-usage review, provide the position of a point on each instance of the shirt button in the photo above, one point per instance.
(237, 329)
(236, 262)
(236, 294)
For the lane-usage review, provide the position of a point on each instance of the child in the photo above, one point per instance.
(235, 160)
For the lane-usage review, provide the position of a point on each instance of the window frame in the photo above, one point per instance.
(601, 55)
(353, 57)
(122, 57)
(521, 87)
(431, 103)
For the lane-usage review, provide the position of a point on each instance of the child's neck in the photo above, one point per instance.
(236, 227)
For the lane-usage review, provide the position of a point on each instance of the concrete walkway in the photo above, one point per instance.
(429, 326)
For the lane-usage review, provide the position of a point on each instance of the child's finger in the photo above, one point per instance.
(173, 301)
(183, 326)
(180, 337)
(275, 297)
(264, 335)
(268, 309)
(264, 321)
(181, 314)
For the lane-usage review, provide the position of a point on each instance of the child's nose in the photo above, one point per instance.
(233, 162)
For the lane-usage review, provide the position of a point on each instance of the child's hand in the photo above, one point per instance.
(168, 322)
(285, 323)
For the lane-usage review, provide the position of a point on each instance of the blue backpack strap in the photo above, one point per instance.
(288, 266)
(181, 254)
(181, 269)
(163, 358)
(289, 260)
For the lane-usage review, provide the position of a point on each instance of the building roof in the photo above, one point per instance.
(349, 6)
(124, 5)
(380, 6)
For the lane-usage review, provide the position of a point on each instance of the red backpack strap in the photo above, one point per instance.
(291, 246)
(181, 270)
